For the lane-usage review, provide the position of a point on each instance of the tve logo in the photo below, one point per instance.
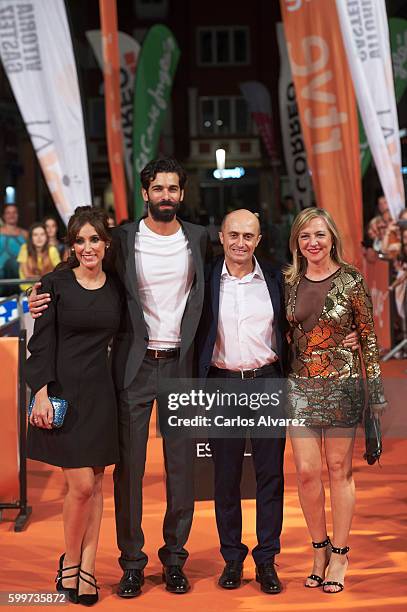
(8, 311)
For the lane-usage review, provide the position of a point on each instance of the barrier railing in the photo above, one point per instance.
(13, 307)
(13, 393)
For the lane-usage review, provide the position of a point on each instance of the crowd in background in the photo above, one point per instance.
(387, 239)
(27, 254)
(31, 254)
(384, 237)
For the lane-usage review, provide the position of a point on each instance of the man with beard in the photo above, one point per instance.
(160, 262)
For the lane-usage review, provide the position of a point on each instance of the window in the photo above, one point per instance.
(223, 46)
(151, 9)
(243, 122)
(219, 197)
(221, 115)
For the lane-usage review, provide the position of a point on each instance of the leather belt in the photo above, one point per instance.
(244, 374)
(162, 353)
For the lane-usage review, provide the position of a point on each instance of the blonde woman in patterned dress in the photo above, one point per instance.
(325, 297)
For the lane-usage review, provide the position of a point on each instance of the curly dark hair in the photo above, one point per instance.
(83, 215)
(162, 164)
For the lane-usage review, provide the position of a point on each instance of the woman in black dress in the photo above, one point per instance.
(69, 360)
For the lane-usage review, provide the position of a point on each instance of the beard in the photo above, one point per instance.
(166, 215)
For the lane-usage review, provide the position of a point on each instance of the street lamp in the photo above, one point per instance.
(220, 155)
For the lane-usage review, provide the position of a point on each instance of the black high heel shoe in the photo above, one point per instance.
(87, 599)
(315, 577)
(337, 551)
(71, 592)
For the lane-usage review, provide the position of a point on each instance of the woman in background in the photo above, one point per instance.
(51, 227)
(325, 297)
(12, 237)
(37, 257)
(111, 219)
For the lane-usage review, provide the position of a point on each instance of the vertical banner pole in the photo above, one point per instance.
(111, 73)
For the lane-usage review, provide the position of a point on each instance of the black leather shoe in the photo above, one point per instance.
(231, 577)
(175, 579)
(267, 576)
(131, 583)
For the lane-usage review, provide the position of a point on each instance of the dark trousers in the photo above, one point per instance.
(268, 457)
(134, 416)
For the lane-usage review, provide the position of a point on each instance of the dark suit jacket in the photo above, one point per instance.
(209, 323)
(130, 344)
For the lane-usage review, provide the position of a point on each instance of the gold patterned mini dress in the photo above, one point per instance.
(325, 385)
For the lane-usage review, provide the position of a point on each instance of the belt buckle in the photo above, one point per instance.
(245, 374)
(156, 354)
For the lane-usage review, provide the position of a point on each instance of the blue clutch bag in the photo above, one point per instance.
(60, 407)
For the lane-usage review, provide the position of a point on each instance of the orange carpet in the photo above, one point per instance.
(376, 580)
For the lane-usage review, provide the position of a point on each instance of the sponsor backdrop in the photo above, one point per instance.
(327, 106)
(204, 472)
(111, 73)
(129, 49)
(398, 42)
(155, 72)
(366, 38)
(37, 55)
(293, 141)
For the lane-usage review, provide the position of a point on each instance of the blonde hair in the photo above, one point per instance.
(299, 266)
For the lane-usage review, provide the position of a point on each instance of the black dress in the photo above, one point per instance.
(69, 353)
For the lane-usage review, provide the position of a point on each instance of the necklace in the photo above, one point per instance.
(94, 283)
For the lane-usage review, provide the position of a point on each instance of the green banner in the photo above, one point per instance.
(156, 67)
(398, 43)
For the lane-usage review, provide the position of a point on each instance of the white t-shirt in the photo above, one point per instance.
(165, 272)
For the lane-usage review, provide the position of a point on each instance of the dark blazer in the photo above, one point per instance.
(209, 322)
(130, 344)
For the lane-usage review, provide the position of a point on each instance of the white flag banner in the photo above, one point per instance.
(37, 55)
(366, 39)
(293, 142)
(258, 100)
(129, 50)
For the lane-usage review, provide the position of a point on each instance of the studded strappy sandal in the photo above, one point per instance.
(337, 551)
(315, 577)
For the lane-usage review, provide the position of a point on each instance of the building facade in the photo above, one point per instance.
(222, 44)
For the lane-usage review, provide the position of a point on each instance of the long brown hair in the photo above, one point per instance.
(299, 266)
(33, 267)
(97, 218)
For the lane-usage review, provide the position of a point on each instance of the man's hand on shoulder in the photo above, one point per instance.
(37, 303)
(352, 340)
